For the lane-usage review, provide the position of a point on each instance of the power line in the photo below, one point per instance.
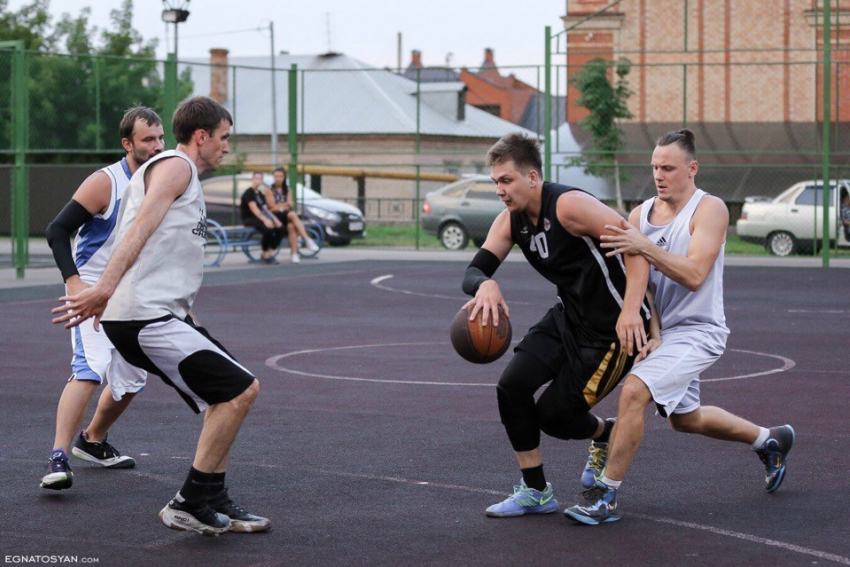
(224, 32)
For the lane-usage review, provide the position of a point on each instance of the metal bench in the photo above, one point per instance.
(221, 239)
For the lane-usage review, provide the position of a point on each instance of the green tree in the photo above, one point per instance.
(80, 80)
(607, 104)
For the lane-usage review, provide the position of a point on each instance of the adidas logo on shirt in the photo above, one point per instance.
(661, 242)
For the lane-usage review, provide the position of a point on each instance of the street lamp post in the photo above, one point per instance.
(175, 12)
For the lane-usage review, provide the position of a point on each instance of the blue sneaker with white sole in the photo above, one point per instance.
(524, 501)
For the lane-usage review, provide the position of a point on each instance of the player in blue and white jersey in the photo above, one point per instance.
(93, 214)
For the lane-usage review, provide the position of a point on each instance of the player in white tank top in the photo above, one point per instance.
(92, 213)
(146, 294)
(682, 233)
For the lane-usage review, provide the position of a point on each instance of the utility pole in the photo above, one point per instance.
(274, 101)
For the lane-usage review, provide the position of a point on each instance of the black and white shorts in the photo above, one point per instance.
(184, 355)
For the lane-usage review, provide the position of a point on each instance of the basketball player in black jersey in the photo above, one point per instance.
(584, 344)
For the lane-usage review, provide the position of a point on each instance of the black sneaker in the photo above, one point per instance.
(773, 454)
(240, 519)
(181, 516)
(101, 453)
(59, 475)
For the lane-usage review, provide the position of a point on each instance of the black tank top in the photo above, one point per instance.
(590, 286)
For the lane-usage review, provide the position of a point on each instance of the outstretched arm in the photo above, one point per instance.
(708, 232)
(584, 215)
(477, 282)
(167, 180)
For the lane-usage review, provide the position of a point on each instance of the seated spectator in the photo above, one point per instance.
(282, 204)
(256, 214)
(845, 215)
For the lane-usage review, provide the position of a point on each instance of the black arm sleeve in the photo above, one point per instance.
(481, 269)
(59, 232)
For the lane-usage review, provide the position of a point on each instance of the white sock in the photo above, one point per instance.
(615, 484)
(763, 435)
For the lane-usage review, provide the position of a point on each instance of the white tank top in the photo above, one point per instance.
(94, 240)
(679, 307)
(167, 275)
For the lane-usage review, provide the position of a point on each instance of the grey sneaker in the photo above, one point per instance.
(181, 516)
(240, 519)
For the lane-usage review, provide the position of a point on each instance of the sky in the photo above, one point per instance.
(364, 29)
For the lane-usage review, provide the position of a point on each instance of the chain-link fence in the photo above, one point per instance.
(381, 140)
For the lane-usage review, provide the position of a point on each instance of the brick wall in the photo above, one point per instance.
(704, 76)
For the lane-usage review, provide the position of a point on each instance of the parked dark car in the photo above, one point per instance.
(462, 211)
(340, 221)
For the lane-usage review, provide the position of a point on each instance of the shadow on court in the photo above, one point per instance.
(373, 443)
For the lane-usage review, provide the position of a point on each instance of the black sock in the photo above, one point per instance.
(198, 485)
(217, 484)
(606, 432)
(534, 478)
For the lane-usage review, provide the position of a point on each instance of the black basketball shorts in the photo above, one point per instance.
(184, 355)
(584, 375)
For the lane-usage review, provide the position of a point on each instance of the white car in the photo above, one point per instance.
(788, 224)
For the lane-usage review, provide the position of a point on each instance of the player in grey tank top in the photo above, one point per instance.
(682, 235)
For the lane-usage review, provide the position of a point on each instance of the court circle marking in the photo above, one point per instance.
(378, 283)
(273, 362)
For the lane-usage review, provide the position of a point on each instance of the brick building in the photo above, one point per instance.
(502, 95)
(731, 60)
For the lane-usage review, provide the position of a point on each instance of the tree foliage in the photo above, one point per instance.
(607, 104)
(80, 79)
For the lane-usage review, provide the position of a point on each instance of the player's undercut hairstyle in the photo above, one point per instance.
(128, 123)
(683, 138)
(523, 150)
(198, 113)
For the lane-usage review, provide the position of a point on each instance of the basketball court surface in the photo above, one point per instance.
(373, 443)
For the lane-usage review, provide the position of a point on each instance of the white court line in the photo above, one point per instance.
(787, 364)
(272, 362)
(377, 283)
(831, 311)
(691, 525)
(750, 538)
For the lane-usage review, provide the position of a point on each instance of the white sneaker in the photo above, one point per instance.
(311, 245)
(296, 258)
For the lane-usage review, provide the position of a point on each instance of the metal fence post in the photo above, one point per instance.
(293, 132)
(827, 70)
(169, 99)
(20, 191)
(233, 137)
(97, 118)
(547, 106)
(418, 151)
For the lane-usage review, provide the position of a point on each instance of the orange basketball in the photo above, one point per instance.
(477, 343)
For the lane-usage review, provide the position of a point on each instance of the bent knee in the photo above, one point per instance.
(687, 422)
(249, 395)
(635, 393)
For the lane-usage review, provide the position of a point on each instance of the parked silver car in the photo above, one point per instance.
(462, 211)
